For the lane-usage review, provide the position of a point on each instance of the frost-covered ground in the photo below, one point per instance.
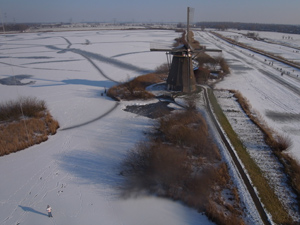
(269, 93)
(276, 37)
(77, 170)
(277, 43)
(271, 96)
(253, 139)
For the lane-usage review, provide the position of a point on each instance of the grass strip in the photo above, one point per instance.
(265, 192)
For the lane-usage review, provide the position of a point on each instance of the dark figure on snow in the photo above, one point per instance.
(49, 210)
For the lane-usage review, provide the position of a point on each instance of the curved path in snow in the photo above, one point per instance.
(88, 56)
(103, 74)
(93, 120)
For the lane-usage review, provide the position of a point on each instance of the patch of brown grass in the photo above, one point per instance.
(27, 106)
(292, 167)
(208, 64)
(51, 124)
(136, 88)
(220, 217)
(18, 132)
(224, 66)
(242, 101)
(180, 40)
(181, 162)
(204, 58)
(202, 75)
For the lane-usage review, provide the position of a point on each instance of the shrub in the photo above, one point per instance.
(27, 106)
(51, 124)
(180, 162)
(224, 66)
(202, 75)
(157, 165)
(292, 168)
(135, 88)
(180, 40)
(162, 69)
(282, 143)
(204, 58)
(223, 217)
(19, 132)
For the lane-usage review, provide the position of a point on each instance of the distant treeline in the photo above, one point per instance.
(292, 29)
(15, 27)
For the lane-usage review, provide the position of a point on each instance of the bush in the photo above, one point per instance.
(218, 216)
(25, 122)
(224, 66)
(136, 88)
(156, 166)
(202, 75)
(27, 107)
(162, 69)
(180, 162)
(292, 168)
(180, 40)
(204, 58)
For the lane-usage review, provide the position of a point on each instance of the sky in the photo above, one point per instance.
(252, 11)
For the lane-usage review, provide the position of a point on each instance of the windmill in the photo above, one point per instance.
(181, 71)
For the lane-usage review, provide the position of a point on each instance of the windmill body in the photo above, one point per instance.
(181, 74)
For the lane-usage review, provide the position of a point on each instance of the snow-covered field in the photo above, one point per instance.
(278, 43)
(275, 97)
(269, 93)
(77, 170)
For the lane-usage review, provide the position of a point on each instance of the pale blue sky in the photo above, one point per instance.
(256, 11)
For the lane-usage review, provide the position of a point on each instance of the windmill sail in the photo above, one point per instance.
(190, 18)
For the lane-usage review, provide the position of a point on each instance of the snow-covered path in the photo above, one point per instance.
(77, 170)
